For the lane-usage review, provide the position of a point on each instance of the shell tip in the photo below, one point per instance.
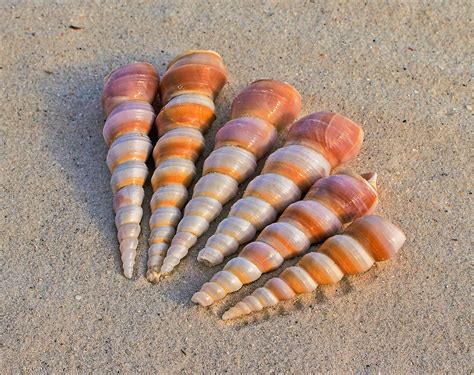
(232, 313)
(166, 270)
(202, 299)
(153, 275)
(169, 264)
(128, 273)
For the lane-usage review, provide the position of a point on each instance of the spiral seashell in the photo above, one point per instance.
(127, 94)
(368, 240)
(258, 113)
(330, 203)
(315, 144)
(188, 88)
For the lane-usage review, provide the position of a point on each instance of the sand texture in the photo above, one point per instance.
(400, 69)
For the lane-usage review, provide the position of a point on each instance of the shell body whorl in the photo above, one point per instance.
(315, 144)
(277, 103)
(133, 82)
(305, 222)
(367, 240)
(197, 71)
(336, 137)
(126, 100)
(188, 89)
(258, 113)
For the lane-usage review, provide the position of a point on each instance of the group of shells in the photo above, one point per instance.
(294, 203)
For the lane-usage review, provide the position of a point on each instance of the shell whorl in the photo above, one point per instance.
(311, 220)
(277, 103)
(315, 144)
(258, 112)
(133, 82)
(126, 99)
(188, 89)
(197, 72)
(367, 240)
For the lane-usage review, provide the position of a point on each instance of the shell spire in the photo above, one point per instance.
(258, 113)
(367, 240)
(315, 144)
(188, 90)
(126, 100)
(330, 203)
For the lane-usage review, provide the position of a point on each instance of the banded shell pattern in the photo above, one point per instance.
(188, 89)
(258, 113)
(367, 240)
(126, 100)
(315, 144)
(330, 203)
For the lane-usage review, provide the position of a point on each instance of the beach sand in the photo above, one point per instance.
(401, 70)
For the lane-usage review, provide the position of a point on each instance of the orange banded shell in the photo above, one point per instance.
(126, 99)
(302, 223)
(315, 144)
(259, 111)
(188, 88)
(367, 240)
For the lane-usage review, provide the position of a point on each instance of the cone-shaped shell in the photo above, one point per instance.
(315, 143)
(137, 81)
(369, 239)
(196, 71)
(126, 100)
(302, 223)
(188, 89)
(275, 102)
(239, 144)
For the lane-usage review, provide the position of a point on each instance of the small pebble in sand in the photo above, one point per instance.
(78, 297)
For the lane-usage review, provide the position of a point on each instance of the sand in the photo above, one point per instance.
(402, 70)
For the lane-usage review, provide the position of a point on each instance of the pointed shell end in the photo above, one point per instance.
(232, 313)
(153, 275)
(202, 299)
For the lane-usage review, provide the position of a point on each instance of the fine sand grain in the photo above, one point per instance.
(401, 69)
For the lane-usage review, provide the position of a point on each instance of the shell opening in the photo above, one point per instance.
(371, 178)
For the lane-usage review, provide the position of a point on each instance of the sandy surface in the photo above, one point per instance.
(401, 70)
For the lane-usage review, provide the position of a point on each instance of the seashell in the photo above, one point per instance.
(128, 92)
(330, 203)
(258, 112)
(367, 240)
(188, 89)
(315, 144)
